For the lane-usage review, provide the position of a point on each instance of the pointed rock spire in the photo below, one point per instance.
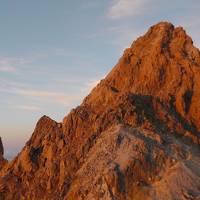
(1, 147)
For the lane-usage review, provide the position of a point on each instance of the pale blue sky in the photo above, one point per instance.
(53, 52)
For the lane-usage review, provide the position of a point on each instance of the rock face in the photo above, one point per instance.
(3, 161)
(135, 136)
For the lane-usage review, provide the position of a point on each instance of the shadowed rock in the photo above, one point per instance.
(1, 148)
(3, 161)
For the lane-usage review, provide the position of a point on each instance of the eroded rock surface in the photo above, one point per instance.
(135, 136)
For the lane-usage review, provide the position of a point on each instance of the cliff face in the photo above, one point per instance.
(135, 136)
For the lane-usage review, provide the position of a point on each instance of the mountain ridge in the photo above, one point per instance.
(138, 126)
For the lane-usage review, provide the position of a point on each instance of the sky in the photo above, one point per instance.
(52, 53)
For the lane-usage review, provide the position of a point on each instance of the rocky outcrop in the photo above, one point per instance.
(132, 163)
(1, 148)
(3, 161)
(135, 136)
(37, 168)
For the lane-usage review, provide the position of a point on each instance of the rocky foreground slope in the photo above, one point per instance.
(136, 136)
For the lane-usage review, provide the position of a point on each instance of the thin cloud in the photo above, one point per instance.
(126, 8)
(28, 108)
(124, 36)
(49, 96)
(36, 93)
(91, 84)
(11, 64)
(41, 95)
(120, 36)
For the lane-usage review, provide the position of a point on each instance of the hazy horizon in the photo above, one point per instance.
(52, 53)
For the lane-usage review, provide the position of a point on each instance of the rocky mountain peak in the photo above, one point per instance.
(135, 136)
(163, 64)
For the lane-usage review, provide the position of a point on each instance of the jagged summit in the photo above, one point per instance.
(163, 63)
(135, 136)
